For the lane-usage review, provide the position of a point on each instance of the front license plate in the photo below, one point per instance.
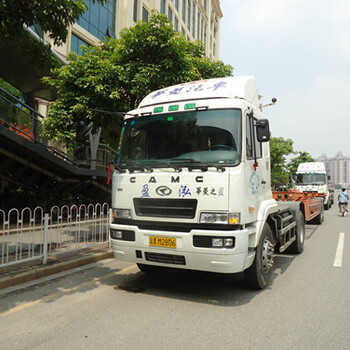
(165, 242)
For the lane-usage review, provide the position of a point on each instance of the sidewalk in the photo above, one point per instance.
(25, 272)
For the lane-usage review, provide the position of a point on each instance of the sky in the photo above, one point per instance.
(299, 52)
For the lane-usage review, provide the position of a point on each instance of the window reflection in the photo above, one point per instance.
(76, 44)
(98, 19)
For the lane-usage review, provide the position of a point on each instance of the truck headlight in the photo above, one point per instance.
(121, 213)
(115, 234)
(219, 218)
(222, 242)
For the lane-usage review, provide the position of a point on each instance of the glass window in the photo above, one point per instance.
(162, 6)
(144, 15)
(38, 30)
(176, 24)
(194, 137)
(177, 5)
(189, 15)
(184, 10)
(311, 179)
(202, 31)
(194, 20)
(76, 44)
(258, 146)
(249, 139)
(98, 19)
(136, 5)
(94, 9)
(170, 14)
(198, 25)
(103, 13)
(252, 143)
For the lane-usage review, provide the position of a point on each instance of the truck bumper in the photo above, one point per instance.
(185, 255)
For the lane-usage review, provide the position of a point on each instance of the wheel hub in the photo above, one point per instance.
(301, 234)
(267, 255)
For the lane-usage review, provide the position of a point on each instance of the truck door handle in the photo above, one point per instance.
(263, 182)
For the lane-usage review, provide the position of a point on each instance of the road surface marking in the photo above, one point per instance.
(338, 260)
(60, 293)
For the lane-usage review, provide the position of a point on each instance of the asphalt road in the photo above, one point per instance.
(111, 305)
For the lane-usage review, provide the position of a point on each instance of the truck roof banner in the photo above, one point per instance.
(243, 87)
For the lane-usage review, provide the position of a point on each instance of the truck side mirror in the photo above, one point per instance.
(262, 130)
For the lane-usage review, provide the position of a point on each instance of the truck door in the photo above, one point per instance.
(257, 168)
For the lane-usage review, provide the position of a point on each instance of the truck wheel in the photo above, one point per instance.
(320, 217)
(259, 274)
(298, 245)
(326, 206)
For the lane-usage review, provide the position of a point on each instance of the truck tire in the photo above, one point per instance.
(320, 217)
(326, 206)
(258, 275)
(297, 246)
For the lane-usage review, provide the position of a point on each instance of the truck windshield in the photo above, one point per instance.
(311, 179)
(194, 137)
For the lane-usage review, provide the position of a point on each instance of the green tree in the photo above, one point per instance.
(116, 75)
(9, 88)
(8, 112)
(302, 157)
(280, 148)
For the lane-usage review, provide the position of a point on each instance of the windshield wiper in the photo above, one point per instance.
(134, 166)
(118, 167)
(196, 164)
(166, 165)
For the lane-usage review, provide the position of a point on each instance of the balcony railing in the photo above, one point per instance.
(27, 122)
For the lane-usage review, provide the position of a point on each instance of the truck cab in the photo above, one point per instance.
(312, 177)
(191, 187)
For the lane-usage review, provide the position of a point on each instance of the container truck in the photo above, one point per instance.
(312, 177)
(191, 184)
(311, 206)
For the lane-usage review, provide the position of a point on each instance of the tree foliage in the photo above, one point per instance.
(9, 88)
(280, 148)
(117, 74)
(8, 111)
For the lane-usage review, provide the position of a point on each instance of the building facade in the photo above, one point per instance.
(196, 19)
(338, 168)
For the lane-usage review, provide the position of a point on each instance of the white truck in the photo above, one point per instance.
(312, 177)
(191, 184)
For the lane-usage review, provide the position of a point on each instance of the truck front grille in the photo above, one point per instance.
(165, 258)
(169, 208)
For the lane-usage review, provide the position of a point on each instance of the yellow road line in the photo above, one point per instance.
(60, 293)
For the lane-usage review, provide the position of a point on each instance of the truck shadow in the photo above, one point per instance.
(226, 290)
(310, 230)
(201, 287)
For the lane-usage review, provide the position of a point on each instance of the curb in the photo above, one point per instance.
(44, 271)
